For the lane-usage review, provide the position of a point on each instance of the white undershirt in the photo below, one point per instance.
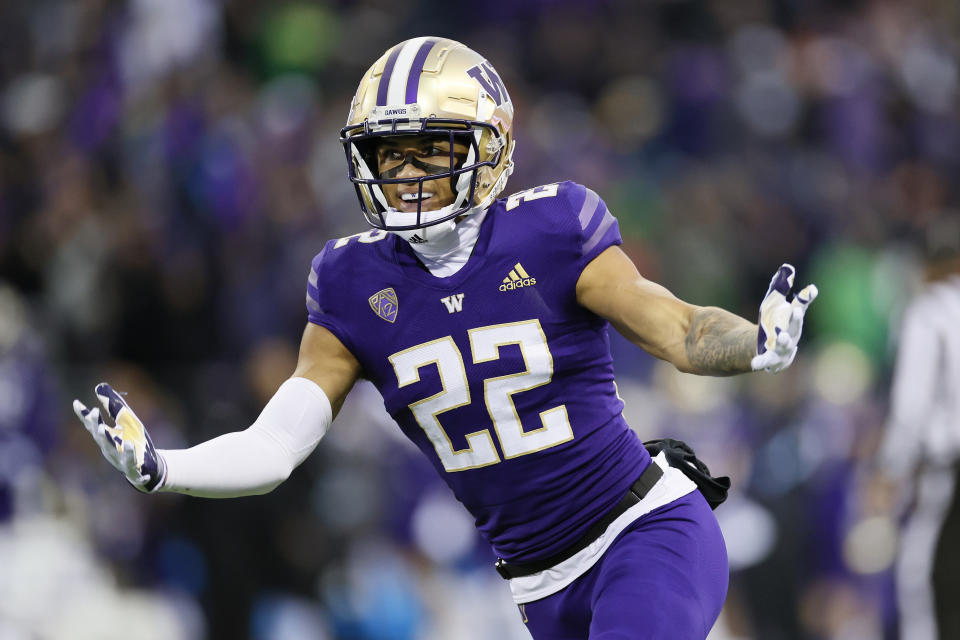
(446, 255)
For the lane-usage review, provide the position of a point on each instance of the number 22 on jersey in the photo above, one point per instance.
(485, 343)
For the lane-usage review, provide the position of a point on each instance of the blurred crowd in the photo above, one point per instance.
(168, 168)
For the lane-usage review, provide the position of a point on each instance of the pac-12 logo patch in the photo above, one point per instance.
(384, 303)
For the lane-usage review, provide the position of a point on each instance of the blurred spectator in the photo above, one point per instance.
(921, 447)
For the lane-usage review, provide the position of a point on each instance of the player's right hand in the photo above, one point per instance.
(126, 444)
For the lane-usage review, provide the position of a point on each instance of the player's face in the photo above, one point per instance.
(415, 157)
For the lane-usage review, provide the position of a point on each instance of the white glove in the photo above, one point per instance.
(127, 445)
(781, 321)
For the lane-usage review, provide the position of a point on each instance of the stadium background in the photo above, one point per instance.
(169, 167)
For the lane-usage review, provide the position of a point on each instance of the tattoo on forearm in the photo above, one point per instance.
(720, 343)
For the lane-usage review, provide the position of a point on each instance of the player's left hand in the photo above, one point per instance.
(781, 321)
(126, 445)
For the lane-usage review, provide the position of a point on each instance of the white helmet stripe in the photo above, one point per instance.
(401, 71)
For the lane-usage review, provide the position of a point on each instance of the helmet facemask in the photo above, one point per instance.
(463, 171)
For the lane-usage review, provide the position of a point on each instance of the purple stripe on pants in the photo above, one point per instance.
(665, 576)
(385, 77)
(413, 80)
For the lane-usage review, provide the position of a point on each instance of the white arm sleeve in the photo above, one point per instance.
(256, 460)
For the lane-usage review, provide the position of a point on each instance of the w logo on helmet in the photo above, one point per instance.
(490, 81)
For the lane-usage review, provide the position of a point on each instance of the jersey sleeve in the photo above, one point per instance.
(322, 300)
(597, 227)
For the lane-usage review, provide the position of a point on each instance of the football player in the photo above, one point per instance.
(483, 323)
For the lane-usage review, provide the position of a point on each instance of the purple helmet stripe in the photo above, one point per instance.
(385, 77)
(413, 80)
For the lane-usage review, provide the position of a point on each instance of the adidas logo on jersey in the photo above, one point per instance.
(517, 279)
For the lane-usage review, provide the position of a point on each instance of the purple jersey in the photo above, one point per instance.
(495, 372)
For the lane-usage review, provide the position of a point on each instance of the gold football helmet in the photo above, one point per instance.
(430, 86)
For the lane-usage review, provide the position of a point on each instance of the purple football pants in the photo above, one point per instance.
(664, 577)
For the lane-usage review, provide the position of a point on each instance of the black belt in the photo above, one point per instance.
(635, 494)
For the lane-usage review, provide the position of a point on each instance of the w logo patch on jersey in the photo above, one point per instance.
(384, 303)
(453, 303)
